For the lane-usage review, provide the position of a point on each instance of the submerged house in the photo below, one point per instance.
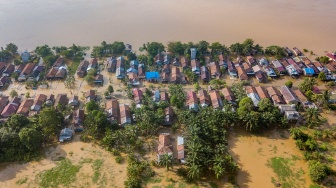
(241, 73)
(269, 71)
(259, 74)
(28, 69)
(93, 64)
(78, 120)
(181, 153)
(253, 95)
(82, 68)
(141, 71)
(251, 60)
(216, 100)
(214, 70)
(164, 97)
(112, 110)
(275, 95)
(276, 63)
(205, 74)
(289, 112)
(152, 76)
(248, 69)
(164, 146)
(232, 69)
(125, 115)
(294, 65)
(120, 68)
(25, 107)
(111, 63)
(137, 96)
(176, 75)
(288, 95)
(308, 71)
(262, 92)
(8, 70)
(288, 51)
(25, 56)
(195, 66)
(297, 52)
(61, 100)
(204, 98)
(73, 100)
(192, 101)
(228, 95)
(169, 113)
(156, 96)
(38, 102)
(263, 62)
(90, 95)
(185, 64)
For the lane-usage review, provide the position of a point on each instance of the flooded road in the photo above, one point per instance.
(61, 22)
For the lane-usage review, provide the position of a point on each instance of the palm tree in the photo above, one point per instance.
(194, 171)
(166, 160)
(312, 117)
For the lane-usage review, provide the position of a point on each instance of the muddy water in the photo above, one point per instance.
(305, 24)
(252, 152)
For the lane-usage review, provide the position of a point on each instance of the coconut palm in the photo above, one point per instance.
(312, 117)
(166, 160)
(194, 172)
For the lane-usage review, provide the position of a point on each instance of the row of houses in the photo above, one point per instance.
(57, 71)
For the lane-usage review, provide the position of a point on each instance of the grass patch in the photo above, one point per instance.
(97, 164)
(154, 180)
(60, 176)
(182, 185)
(172, 185)
(21, 181)
(281, 167)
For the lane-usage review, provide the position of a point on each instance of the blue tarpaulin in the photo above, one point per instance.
(309, 71)
(152, 76)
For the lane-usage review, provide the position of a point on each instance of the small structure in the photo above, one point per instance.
(204, 74)
(297, 52)
(289, 112)
(73, 100)
(185, 64)
(78, 120)
(25, 56)
(141, 71)
(232, 69)
(82, 68)
(164, 146)
(248, 69)
(288, 95)
(112, 110)
(156, 96)
(204, 98)
(133, 79)
(181, 154)
(193, 53)
(195, 66)
(125, 115)
(99, 79)
(169, 113)
(152, 76)
(90, 95)
(66, 135)
(251, 60)
(50, 100)
(164, 97)
(253, 95)
(216, 100)
(192, 101)
(137, 96)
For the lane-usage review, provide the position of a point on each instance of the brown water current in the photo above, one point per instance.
(305, 24)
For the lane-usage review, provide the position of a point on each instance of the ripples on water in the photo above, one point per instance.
(306, 24)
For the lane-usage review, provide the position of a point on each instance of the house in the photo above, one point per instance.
(28, 69)
(248, 69)
(134, 63)
(132, 69)
(9, 110)
(3, 102)
(185, 64)
(61, 73)
(169, 113)
(125, 115)
(61, 100)
(289, 112)
(253, 95)
(308, 71)
(262, 93)
(38, 102)
(133, 79)
(319, 66)
(90, 95)
(19, 68)
(297, 52)
(204, 74)
(193, 53)
(141, 71)
(156, 96)
(175, 78)
(159, 58)
(216, 100)
(73, 100)
(137, 96)
(112, 110)
(303, 99)
(195, 66)
(78, 120)
(214, 70)
(331, 67)
(263, 62)
(164, 97)
(25, 56)
(228, 95)
(176, 62)
(152, 76)
(4, 81)
(2, 67)
(111, 64)
(251, 60)
(288, 51)
(50, 100)
(298, 61)
(232, 69)
(275, 95)
(192, 101)
(59, 62)
(99, 79)
(25, 106)
(51, 73)
(204, 98)
(128, 48)
(35, 75)
(241, 73)
(284, 62)
(183, 79)
(181, 154)
(120, 70)
(269, 71)
(294, 65)
(222, 62)
(8, 70)
(292, 71)
(93, 64)
(332, 56)
(164, 146)
(259, 74)
(276, 63)
(166, 68)
(165, 77)
(288, 95)
(82, 69)
(167, 58)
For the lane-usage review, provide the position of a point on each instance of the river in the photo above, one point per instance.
(303, 23)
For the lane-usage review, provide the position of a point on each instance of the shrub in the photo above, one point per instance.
(318, 171)
(289, 84)
(119, 159)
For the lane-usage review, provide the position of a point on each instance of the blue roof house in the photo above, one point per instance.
(25, 56)
(120, 73)
(308, 71)
(192, 53)
(263, 62)
(152, 76)
(134, 63)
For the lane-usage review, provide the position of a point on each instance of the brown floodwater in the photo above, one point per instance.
(305, 24)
